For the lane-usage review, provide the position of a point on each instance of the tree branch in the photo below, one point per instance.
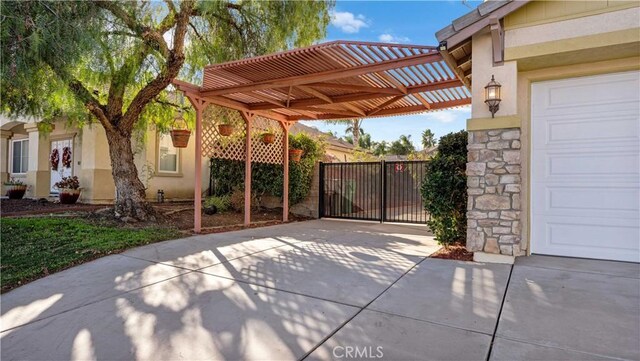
(119, 81)
(150, 36)
(172, 67)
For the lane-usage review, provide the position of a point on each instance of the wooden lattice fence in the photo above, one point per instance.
(215, 145)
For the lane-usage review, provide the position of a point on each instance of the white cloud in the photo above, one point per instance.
(348, 22)
(449, 115)
(388, 38)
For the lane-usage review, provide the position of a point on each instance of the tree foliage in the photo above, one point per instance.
(112, 61)
(444, 189)
(354, 129)
(428, 139)
(72, 58)
(402, 146)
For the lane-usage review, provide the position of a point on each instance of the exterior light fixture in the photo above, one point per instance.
(442, 46)
(492, 96)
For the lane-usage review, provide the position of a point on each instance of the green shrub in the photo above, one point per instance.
(301, 173)
(267, 179)
(222, 203)
(444, 190)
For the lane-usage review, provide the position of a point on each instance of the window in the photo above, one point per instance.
(20, 156)
(167, 155)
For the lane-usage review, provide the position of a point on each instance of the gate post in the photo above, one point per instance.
(383, 190)
(320, 189)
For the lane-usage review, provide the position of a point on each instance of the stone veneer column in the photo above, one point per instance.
(493, 187)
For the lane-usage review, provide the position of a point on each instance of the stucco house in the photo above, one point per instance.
(25, 155)
(336, 150)
(555, 170)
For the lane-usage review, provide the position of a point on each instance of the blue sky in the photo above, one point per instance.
(410, 22)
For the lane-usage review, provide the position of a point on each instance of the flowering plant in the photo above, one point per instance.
(68, 183)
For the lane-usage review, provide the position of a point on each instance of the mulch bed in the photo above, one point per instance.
(456, 252)
(177, 215)
(26, 207)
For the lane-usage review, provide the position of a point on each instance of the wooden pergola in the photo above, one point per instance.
(335, 80)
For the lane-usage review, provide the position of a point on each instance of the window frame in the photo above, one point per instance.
(11, 158)
(168, 173)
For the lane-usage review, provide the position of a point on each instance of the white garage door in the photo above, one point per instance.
(585, 167)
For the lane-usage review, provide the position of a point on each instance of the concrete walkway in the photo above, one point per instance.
(322, 290)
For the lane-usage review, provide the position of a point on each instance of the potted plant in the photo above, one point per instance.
(15, 188)
(179, 133)
(69, 190)
(268, 137)
(295, 154)
(225, 128)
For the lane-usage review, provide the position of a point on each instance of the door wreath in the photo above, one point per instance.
(66, 157)
(54, 159)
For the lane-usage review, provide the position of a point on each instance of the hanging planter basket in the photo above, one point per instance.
(180, 132)
(180, 137)
(225, 129)
(268, 138)
(295, 154)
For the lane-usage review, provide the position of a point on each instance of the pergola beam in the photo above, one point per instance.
(294, 104)
(327, 75)
(316, 93)
(385, 104)
(405, 110)
(356, 88)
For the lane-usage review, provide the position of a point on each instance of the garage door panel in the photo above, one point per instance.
(585, 167)
(590, 132)
(589, 237)
(611, 164)
(571, 96)
(583, 200)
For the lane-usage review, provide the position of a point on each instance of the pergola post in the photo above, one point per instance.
(199, 105)
(285, 167)
(248, 119)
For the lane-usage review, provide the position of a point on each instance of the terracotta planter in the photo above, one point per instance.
(69, 196)
(295, 154)
(180, 137)
(225, 129)
(16, 191)
(268, 138)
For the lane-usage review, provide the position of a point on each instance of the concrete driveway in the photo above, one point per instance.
(322, 290)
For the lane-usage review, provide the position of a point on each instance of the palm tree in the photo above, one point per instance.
(354, 127)
(428, 139)
(402, 146)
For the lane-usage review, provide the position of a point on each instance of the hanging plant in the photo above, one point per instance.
(268, 138)
(54, 159)
(66, 157)
(295, 154)
(180, 134)
(225, 128)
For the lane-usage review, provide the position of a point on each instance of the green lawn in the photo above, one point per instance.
(34, 247)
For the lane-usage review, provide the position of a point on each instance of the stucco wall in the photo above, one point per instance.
(178, 186)
(605, 39)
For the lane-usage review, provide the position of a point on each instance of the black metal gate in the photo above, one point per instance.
(375, 191)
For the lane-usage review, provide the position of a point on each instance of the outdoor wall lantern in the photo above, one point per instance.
(492, 96)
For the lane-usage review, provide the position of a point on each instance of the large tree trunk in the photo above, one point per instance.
(130, 193)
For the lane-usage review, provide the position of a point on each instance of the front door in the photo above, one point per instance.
(60, 161)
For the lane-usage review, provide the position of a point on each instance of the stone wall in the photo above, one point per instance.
(493, 186)
(309, 206)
